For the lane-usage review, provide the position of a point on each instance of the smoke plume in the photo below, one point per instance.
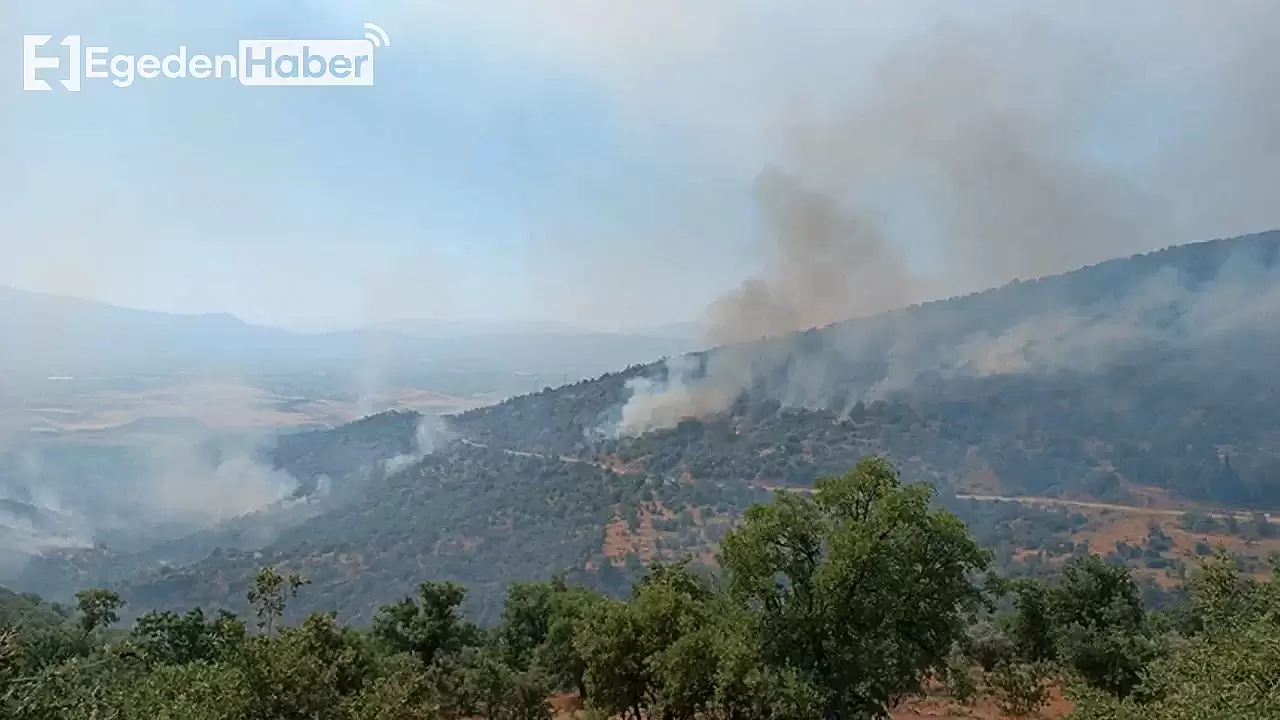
(431, 433)
(975, 155)
(828, 264)
(185, 482)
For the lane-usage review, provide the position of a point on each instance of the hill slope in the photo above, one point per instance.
(1153, 370)
(1147, 377)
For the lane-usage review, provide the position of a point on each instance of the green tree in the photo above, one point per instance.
(401, 691)
(747, 688)
(305, 672)
(611, 643)
(1019, 687)
(959, 678)
(558, 657)
(1099, 625)
(166, 638)
(1227, 669)
(431, 628)
(81, 687)
(526, 620)
(198, 690)
(98, 609)
(652, 655)
(494, 690)
(1031, 627)
(10, 658)
(269, 593)
(675, 611)
(862, 590)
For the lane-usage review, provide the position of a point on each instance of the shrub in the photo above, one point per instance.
(1020, 688)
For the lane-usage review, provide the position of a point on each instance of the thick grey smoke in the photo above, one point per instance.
(664, 402)
(972, 156)
(828, 263)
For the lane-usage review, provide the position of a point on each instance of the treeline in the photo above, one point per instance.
(836, 605)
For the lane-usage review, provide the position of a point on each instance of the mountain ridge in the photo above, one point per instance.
(1125, 398)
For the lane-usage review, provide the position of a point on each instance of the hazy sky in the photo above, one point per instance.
(588, 161)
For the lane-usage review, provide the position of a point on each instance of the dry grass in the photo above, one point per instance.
(1109, 527)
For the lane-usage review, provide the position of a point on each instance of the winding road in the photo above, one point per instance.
(1241, 515)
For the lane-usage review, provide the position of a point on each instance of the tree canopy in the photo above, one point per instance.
(842, 604)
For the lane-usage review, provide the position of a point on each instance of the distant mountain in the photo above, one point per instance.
(439, 329)
(434, 328)
(61, 336)
(1145, 377)
(683, 331)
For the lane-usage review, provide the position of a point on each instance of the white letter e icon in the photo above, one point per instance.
(32, 62)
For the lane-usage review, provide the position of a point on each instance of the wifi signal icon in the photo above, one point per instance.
(376, 35)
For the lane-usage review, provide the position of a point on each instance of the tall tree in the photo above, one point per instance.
(1099, 624)
(270, 592)
(558, 656)
(862, 590)
(431, 628)
(526, 619)
(98, 608)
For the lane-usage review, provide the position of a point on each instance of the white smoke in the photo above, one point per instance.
(429, 436)
(184, 482)
(1166, 308)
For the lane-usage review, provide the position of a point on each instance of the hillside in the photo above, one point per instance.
(1154, 370)
(1142, 381)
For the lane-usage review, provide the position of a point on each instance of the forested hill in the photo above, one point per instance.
(1148, 377)
(1156, 370)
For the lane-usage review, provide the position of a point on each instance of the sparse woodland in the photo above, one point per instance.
(839, 604)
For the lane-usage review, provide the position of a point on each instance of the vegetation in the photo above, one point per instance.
(1223, 664)
(683, 645)
(537, 484)
(660, 576)
(1088, 419)
(842, 605)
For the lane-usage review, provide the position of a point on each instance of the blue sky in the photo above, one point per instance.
(463, 184)
(588, 162)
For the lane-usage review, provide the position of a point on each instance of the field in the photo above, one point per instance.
(82, 409)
